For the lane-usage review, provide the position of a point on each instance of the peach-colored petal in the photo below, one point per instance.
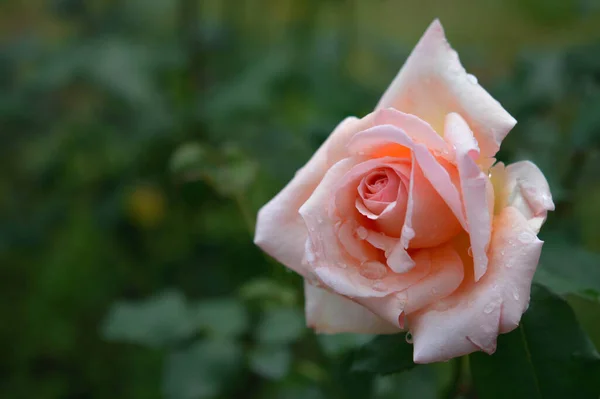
(417, 129)
(347, 205)
(330, 314)
(431, 220)
(433, 83)
(472, 318)
(445, 276)
(528, 191)
(369, 141)
(280, 231)
(474, 189)
(330, 255)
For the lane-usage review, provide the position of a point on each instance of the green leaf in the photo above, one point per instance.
(280, 326)
(384, 355)
(338, 344)
(547, 356)
(268, 291)
(271, 361)
(222, 317)
(420, 382)
(160, 320)
(188, 159)
(570, 270)
(204, 370)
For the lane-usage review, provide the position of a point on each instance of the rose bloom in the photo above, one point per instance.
(400, 222)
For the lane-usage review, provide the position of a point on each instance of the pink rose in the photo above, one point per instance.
(399, 221)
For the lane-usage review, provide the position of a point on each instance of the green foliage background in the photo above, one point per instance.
(138, 139)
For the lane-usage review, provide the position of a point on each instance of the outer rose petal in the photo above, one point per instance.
(528, 191)
(280, 231)
(474, 189)
(433, 83)
(472, 318)
(330, 313)
(445, 276)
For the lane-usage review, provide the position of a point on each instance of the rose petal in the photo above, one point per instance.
(474, 189)
(328, 258)
(330, 313)
(445, 276)
(280, 231)
(371, 140)
(528, 191)
(472, 318)
(433, 83)
(418, 130)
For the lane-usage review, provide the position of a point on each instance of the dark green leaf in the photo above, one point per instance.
(271, 361)
(160, 320)
(281, 325)
(385, 354)
(222, 317)
(570, 271)
(547, 356)
(201, 371)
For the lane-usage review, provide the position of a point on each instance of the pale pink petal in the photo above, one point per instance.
(330, 314)
(330, 255)
(372, 140)
(474, 189)
(417, 129)
(431, 220)
(280, 231)
(433, 83)
(445, 276)
(347, 203)
(528, 191)
(472, 318)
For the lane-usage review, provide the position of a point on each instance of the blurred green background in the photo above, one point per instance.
(138, 138)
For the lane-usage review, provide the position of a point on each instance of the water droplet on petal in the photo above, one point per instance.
(372, 270)
(472, 79)
(489, 308)
(526, 237)
(362, 233)
(515, 293)
(409, 338)
(379, 286)
(470, 252)
(434, 291)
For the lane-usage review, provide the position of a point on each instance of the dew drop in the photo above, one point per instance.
(342, 265)
(319, 220)
(362, 233)
(472, 79)
(434, 291)
(515, 293)
(526, 237)
(372, 270)
(489, 308)
(379, 286)
(409, 338)
(470, 252)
